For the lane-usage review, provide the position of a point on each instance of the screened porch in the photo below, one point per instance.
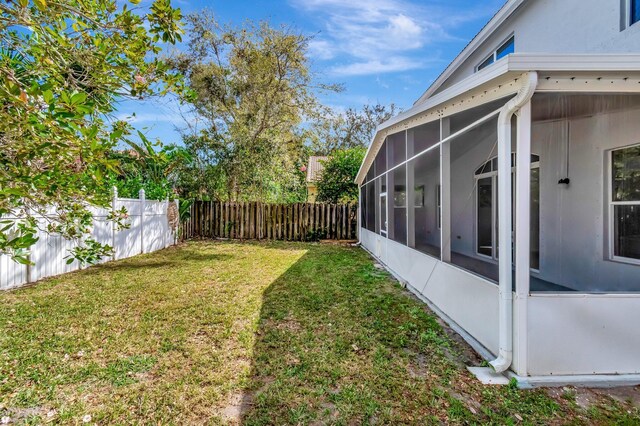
(433, 188)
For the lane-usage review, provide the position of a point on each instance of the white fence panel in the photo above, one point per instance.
(156, 226)
(127, 242)
(149, 231)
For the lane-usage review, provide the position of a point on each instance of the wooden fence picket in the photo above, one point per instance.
(256, 220)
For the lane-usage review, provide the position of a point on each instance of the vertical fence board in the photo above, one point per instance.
(255, 220)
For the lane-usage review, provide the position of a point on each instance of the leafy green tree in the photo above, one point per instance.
(337, 181)
(253, 88)
(63, 67)
(350, 129)
(199, 178)
(149, 166)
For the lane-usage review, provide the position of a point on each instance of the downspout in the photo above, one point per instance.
(505, 355)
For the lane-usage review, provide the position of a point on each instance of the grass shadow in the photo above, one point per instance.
(339, 341)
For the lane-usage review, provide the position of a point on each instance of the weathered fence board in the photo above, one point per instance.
(255, 220)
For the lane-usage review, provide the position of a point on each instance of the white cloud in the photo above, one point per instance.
(377, 36)
(376, 66)
(321, 49)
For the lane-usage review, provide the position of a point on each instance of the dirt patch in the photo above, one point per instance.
(286, 324)
(585, 398)
(237, 406)
(418, 366)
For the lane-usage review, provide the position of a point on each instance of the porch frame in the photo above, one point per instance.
(562, 81)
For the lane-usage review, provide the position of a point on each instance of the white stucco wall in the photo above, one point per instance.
(552, 26)
(583, 334)
(573, 219)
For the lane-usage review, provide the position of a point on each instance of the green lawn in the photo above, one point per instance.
(254, 333)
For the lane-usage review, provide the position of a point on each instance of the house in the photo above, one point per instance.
(508, 196)
(314, 171)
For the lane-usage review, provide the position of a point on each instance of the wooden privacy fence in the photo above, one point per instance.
(255, 220)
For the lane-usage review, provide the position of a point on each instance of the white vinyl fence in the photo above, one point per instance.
(149, 231)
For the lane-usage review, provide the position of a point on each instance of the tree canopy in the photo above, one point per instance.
(63, 67)
(350, 129)
(254, 89)
(337, 182)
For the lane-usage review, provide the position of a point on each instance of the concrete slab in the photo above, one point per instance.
(487, 376)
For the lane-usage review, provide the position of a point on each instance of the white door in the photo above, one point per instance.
(383, 214)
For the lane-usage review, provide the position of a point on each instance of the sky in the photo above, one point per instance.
(381, 51)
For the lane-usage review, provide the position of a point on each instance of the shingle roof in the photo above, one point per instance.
(315, 167)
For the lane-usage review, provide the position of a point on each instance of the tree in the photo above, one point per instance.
(149, 166)
(337, 182)
(199, 178)
(353, 128)
(253, 88)
(63, 67)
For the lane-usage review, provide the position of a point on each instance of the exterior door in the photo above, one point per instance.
(383, 214)
(487, 209)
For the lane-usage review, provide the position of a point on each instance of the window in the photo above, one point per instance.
(505, 49)
(486, 62)
(487, 208)
(625, 203)
(635, 11)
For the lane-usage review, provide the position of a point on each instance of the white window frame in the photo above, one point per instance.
(494, 54)
(494, 195)
(626, 15)
(611, 208)
(384, 233)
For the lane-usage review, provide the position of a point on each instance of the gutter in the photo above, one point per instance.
(505, 318)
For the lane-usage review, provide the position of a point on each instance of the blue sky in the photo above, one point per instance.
(380, 50)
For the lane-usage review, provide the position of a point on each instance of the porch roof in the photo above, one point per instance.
(500, 80)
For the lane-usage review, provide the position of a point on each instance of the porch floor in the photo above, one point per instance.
(490, 270)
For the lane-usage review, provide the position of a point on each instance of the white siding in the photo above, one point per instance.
(552, 26)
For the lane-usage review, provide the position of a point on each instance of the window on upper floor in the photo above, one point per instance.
(635, 11)
(505, 49)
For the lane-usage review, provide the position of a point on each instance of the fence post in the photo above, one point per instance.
(114, 201)
(142, 198)
(178, 230)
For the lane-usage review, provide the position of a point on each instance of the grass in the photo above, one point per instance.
(257, 333)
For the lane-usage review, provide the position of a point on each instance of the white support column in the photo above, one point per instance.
(142, 198)
(114, 202)
(411, 213)
(522, 235)
(445, 190)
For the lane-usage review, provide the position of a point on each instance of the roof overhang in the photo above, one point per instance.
(498, 19)
(594, 73)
